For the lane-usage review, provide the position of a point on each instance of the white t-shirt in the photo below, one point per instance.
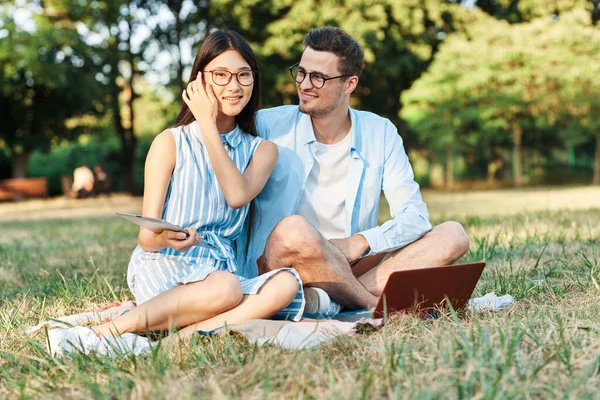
(324, 196)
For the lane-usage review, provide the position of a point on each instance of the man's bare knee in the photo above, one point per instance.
(294, 234)
(455, 239)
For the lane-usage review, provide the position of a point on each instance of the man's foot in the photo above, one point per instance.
(319, 302)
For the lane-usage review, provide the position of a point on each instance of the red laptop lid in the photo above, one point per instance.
(426, 288)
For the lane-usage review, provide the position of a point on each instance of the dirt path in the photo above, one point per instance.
(510, 201)
(60, 207)
(441, 204)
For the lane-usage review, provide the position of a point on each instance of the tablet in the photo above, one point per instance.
(152, 224)
(157, 225)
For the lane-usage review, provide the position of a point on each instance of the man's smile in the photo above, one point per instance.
(307, 96)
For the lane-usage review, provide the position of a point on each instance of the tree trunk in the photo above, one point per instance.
(19, 164)
(115, 105)
(449, 166)
(128, 141)
(436, 171)
(596, 180)
(125, 129)
(128, 164)
(517, 166)
(178, 33)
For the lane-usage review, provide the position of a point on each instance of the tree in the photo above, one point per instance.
(509, 81)
(48, 82)
(578, 67)
(182, 27)
(110, 31)
(457, 101)
(519, 11)
(400, 39)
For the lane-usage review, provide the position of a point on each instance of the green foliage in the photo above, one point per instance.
(48, 78)
(63, 159)
(474, 83)
(493, 81)
(399, 38)
(517, 11)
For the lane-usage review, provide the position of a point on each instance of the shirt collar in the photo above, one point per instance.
(306, 129)
(232, 138)
(307, 132)
(355, 145)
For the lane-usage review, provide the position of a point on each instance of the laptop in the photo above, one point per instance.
(423, 290)
(429, 289)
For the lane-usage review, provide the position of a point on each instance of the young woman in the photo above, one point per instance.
(202, 173)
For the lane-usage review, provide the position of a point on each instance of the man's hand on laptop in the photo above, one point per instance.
(353, 247)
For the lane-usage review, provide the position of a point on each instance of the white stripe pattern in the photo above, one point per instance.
(194, 199)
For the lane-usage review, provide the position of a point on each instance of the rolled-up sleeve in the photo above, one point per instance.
(410, 218)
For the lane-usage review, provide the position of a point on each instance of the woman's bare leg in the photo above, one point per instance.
(181, 306)
(276, 294)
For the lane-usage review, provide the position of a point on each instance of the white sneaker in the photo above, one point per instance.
(72, 340)
(84, 340)
(319, 302)
(124, 345)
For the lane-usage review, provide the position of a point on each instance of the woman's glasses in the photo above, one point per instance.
(223, 77)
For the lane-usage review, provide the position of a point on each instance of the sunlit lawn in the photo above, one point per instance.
(547, 345)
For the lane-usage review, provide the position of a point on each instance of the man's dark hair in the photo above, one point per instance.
(338, 42)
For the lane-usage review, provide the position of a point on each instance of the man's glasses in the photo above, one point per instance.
(223, 77)
(316, 78)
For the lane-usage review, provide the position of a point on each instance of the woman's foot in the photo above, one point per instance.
(106, 329)
(108, 315)
(85, 340)
(114, 310)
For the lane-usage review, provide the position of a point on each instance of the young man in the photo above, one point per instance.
(319, 211)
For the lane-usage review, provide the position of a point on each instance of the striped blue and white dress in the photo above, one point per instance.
(194, 199)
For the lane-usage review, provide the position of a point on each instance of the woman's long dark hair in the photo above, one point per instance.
(218, 42)
(214, 45)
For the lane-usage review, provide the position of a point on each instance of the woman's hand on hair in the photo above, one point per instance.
(200, 98)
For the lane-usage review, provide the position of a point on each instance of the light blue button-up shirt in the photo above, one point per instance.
(377, 162)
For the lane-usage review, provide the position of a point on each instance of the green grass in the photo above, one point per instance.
(545, 346)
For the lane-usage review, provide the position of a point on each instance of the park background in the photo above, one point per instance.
(485, 94)
(489, 94)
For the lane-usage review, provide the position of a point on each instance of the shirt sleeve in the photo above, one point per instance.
(410, 218)
(262, 124)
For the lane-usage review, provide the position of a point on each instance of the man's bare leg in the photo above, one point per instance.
(445, 244)
(296, 243)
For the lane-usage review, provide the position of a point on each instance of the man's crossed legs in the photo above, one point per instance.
(296, 243)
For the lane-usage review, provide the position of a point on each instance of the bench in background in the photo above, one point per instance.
(21, 188)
